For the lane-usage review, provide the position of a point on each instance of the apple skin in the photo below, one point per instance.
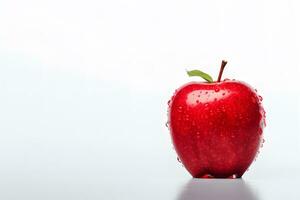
(216, 128)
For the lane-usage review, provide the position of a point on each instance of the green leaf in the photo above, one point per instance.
(203, 75)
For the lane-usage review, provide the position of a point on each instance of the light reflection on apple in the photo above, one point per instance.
(201, 96)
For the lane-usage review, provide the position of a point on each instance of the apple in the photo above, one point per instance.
(216, 126)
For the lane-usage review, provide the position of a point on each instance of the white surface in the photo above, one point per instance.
(84, 89)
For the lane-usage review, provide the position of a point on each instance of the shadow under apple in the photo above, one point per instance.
(210, 189)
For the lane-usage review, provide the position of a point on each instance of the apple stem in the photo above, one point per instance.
(221, 70)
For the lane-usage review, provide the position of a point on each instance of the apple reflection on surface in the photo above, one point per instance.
(211, 189)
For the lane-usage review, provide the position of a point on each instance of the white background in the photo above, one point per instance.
(84, 87)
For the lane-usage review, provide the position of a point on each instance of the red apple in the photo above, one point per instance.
(216, 127)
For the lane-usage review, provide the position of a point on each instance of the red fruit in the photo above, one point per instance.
(216, 127)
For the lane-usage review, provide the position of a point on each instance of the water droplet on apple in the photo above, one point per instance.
(207, 176)
(260, 131)
(223, 93)
(223, 109)
(217, 89)
(179, 109)
(262, 123)
(197, 101)
(187, 117)
(206, 92)
(178, 159)
(206, 104)
(167, 124)
(233, 176)
(215, 99)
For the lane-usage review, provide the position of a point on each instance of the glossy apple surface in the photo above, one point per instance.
(216, 127)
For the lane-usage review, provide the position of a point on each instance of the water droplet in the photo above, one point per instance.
(206, 104)
(223, 109)
(223, 93)
(178, 159)
(260, 131)
(217, 89)
(262, 143)
(167, 124)
(169, 102)
(199, 95)
(262, 124)
(197, 101)
(187, 117)
(264, 113)
(215, 99)
(206, 92)
(207, 176)
(179, 109)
